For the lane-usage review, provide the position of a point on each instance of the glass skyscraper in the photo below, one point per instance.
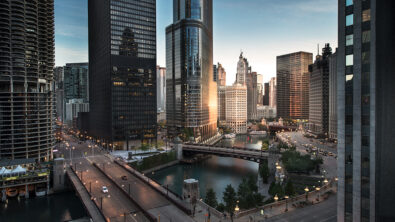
(191, 91)
(27, 103)
(122, 71)
(366, 117)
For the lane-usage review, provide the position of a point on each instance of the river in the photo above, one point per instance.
(216, 172)
(53, 208)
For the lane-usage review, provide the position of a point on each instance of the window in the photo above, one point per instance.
(366, 36)
(365, 57)
(349, 2)
(366, 15)
(349, 60)
(349, 20)
(349, 40)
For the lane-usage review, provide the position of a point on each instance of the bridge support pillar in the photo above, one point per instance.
(26, 191)
(178, 148)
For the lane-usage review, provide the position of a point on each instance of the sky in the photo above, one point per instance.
(262, 29)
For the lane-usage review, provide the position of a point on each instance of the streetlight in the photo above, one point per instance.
(275, 198)
(91, 149)
(307, 193)
(318, 191)
(286, 203)
(326, 181)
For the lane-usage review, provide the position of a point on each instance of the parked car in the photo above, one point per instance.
(104, 189)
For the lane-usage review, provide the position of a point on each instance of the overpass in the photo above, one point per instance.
(235, 152)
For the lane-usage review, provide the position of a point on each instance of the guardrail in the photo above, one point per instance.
(158, 187)
(212, 210)
(149, 216)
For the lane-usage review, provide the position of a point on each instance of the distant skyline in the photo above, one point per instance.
(262, 29)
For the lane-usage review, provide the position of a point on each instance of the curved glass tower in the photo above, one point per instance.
(191, 93)
(26, 79)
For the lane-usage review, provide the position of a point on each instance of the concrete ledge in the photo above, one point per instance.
(161, 166)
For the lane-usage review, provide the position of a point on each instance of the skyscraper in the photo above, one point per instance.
(333, 96)
(366, 116)
(222, 105)
(122, 71)
(215, 73)
(27, 103)
(266, 96)
(161, 88)
(293, 85)
(273, 92)
(319, 93)
(259, 80)
(221, 81)
(191, 91)
(252, 95)
(59, 92)
(242, 70)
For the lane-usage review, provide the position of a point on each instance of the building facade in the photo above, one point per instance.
(236, 108)
(191, 92)
(221, 81)
(161, 88)
(266, 112)
(243, 69)
(27, 99)
(59, 92)
(332, 97)
(273, 92)
(366, 117)
(252, 95)
(122, 71)
(293, 85)
(319, 94)
(266, 96)
(73, 107)
(222, 105)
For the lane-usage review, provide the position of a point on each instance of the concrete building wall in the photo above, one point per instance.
(236, 108)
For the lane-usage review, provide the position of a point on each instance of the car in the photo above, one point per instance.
(124, 177)
(104, 189)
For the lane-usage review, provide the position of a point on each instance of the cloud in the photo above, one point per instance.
(65, 55)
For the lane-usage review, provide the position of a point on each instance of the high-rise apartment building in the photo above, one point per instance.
(122, 71)
(366, 116)
(332, 134)
(273, 92)
(236, 107)
(293, 85)
(252, 95)
(221, 81)
(27, 100)
(161, 88)
(191, 92)
(319, 94)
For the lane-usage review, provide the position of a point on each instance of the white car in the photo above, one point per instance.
(104, 189)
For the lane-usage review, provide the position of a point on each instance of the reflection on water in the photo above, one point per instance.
(215, 173)
(53, 208)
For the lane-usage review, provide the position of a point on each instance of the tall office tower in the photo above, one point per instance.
(221, 75)
(366, 115)
(260, 85)
(333, 97)
(161, 88)
(191, 91)
(252, 95)
(319, 94)
(27, 103)
(75, 83)
(266, 96)
(293, 85)
(273, 92)
(215, 73)
(236, 107)
(122, 71)
(59, 92)
(242, 70)
(221, 105)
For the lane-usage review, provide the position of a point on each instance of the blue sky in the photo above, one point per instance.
(263, 29)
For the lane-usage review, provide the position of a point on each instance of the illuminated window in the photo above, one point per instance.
(349, 60)
(349, 40)
(366, 15)
(349, 20)
(366, 36)
(349, 2)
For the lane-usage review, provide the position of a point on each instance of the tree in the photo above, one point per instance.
(276, 189)
(248, 194)
(289, 188)
(144, 147)
(211, 198)
(221, 207)
(264, 172)
(229, 199)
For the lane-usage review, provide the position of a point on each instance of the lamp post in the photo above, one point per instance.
(236, 209)
(275, 198)
(307, 193)
(286, 203)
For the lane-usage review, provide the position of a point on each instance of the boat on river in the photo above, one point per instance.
(258, 132)
(230, 136)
